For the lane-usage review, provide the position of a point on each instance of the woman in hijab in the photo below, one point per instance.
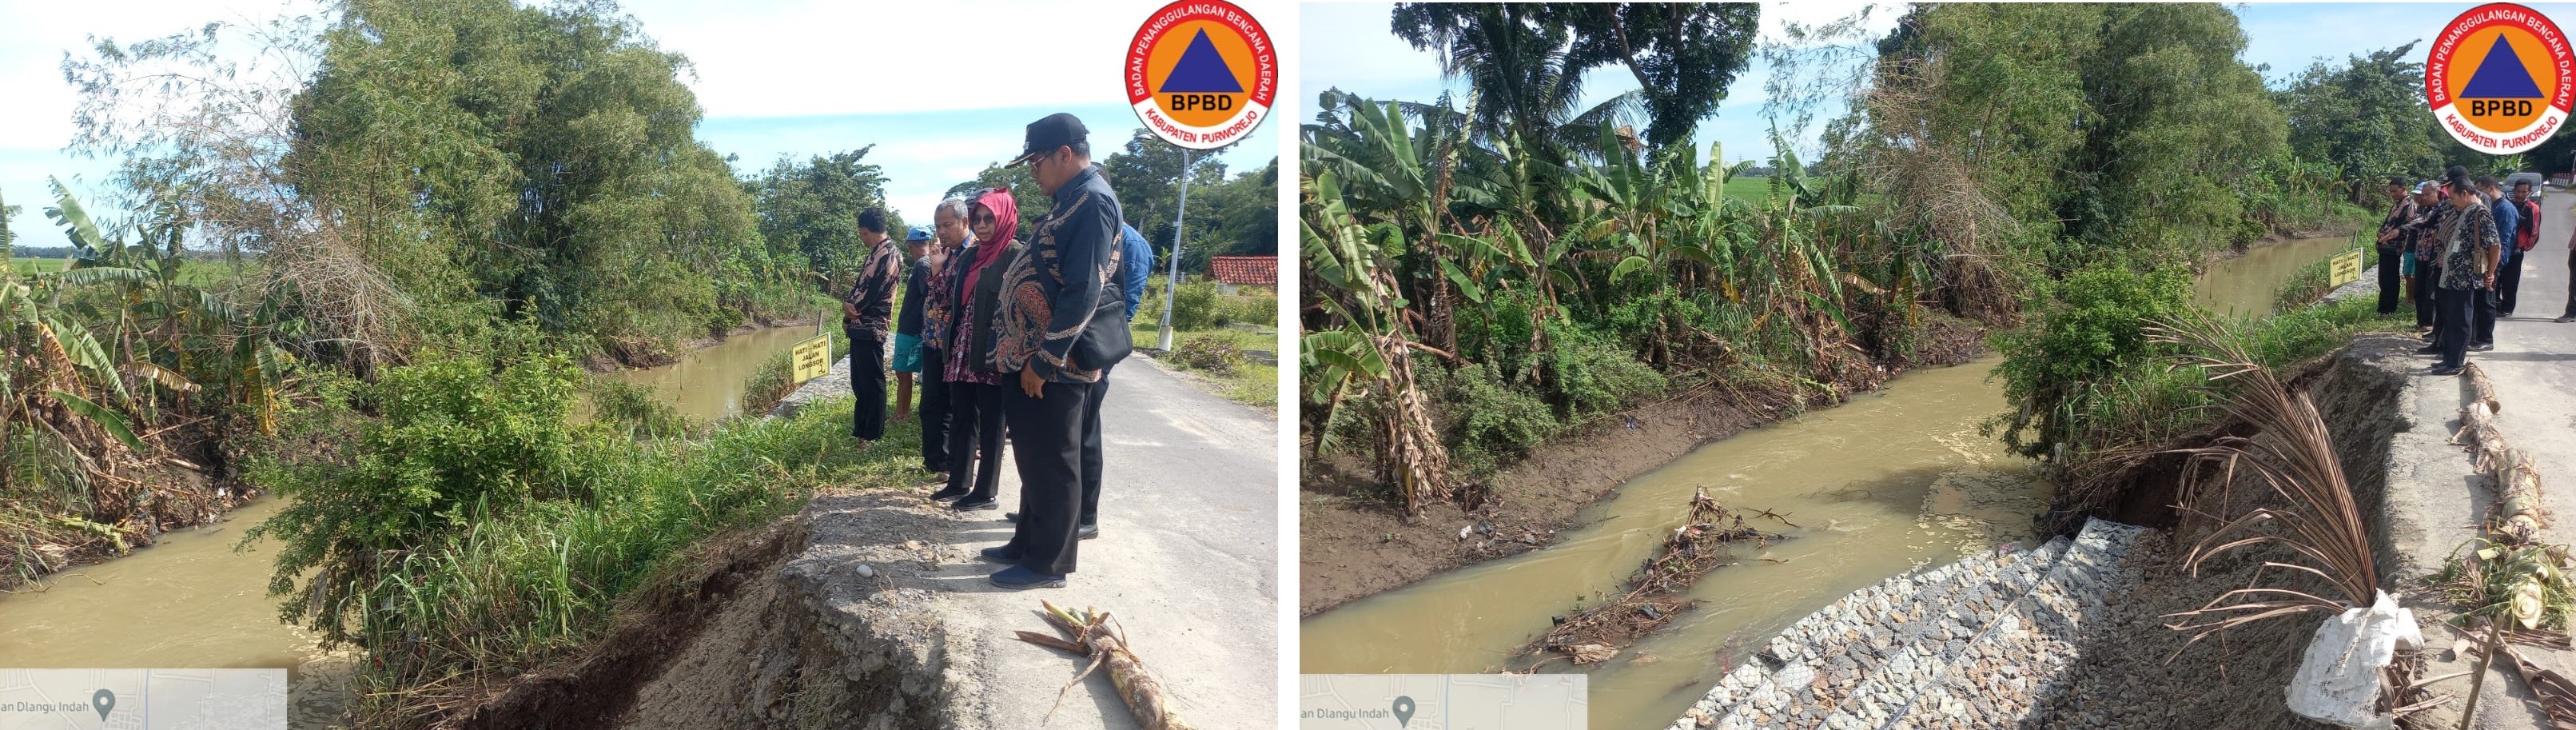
(974, 388)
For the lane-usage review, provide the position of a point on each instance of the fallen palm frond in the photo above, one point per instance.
(1660, 588)
(2557, 694)
(2294, 455)
(1087, 634)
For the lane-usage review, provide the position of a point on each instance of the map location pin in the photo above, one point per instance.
(104, 701)
(1403, 711)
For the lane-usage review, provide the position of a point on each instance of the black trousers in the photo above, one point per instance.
(2571, 285)
(868, 382)
(975, 439)
(2427, 277)
(1091, 460)
(2451, 324)
(1046, 445)
(2482, 316)
(2508, 283)
(2388, 280)
(934, 410)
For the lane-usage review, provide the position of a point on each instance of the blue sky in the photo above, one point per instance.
(1348, 45)
(941, 88)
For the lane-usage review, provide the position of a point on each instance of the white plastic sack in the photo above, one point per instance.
(2338, 682)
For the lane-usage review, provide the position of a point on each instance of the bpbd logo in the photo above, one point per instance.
(2499, 78)
(1201, 73)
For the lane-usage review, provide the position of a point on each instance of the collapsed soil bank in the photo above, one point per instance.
(2137, 672)
(821, 620)
(1352, 545)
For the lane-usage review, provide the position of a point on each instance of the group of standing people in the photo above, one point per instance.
(1011, 334)
(2460, 242)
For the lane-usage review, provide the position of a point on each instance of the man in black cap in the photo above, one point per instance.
(865, 316)
(1061, 327)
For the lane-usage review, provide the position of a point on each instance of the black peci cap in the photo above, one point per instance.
(1056, 130)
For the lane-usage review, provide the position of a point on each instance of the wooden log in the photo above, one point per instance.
(1088, 635)
(2480, 389)
(2518, 507)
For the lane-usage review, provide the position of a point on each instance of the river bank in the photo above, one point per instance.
(1353, 545)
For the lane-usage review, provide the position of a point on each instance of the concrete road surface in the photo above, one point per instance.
(2534, 365)
(1187, 561)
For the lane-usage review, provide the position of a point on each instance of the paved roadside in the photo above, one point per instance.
(1187, 562)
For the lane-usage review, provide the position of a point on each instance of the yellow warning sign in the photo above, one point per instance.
(2345, 269)
(812, 357)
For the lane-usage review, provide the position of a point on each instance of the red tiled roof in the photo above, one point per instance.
(1260, 270)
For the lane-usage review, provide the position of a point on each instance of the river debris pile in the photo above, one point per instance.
(1660, 588)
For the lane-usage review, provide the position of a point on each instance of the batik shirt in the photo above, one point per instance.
(938, 297)
(1065, 287)
(2466, 231)
(873, 292)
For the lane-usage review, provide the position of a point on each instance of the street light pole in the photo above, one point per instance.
(1172, 279)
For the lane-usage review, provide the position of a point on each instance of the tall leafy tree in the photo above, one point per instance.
(811, 208)
(539, 159)
(1683, 55)
(2366, 117)
(1146, 174)
(1526, 61)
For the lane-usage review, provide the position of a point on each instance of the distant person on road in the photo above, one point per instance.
(1061, 327)
(2570, 314)
(1137, 257)
(2488, 308)
(864, 316)
(2468, 241)
(2393, 238)
(907, 329)
(976, 389)
(2526, 233)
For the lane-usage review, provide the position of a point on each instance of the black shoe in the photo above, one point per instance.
(1018, 578)
(2482, 347)
(2429, 350)
(1001, 554)
(2444, 370)
(971, 504)
(2565, 319)
(1090, 531)
(1010, 517)
(949, 493)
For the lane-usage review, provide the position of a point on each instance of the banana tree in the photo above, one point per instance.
(1368, 344)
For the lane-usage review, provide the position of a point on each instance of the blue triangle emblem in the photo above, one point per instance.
(1202, 70)
(2501, 76)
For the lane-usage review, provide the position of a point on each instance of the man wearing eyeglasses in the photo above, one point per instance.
(1062, 324)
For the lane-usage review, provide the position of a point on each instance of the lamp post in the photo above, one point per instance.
(1172, 279)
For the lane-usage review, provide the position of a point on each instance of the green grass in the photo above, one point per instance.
(1748, 188)
(1247, 382)
(527, 587)
(192, 272)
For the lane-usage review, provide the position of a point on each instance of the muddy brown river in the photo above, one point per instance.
(194, 601)
(707, 383)
(1889, 481)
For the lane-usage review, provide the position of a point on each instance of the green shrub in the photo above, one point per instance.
(1489, 423)
(1253, 306)
(1216, 355)
(2092, 331)
(1593, 373)
(635, 409)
